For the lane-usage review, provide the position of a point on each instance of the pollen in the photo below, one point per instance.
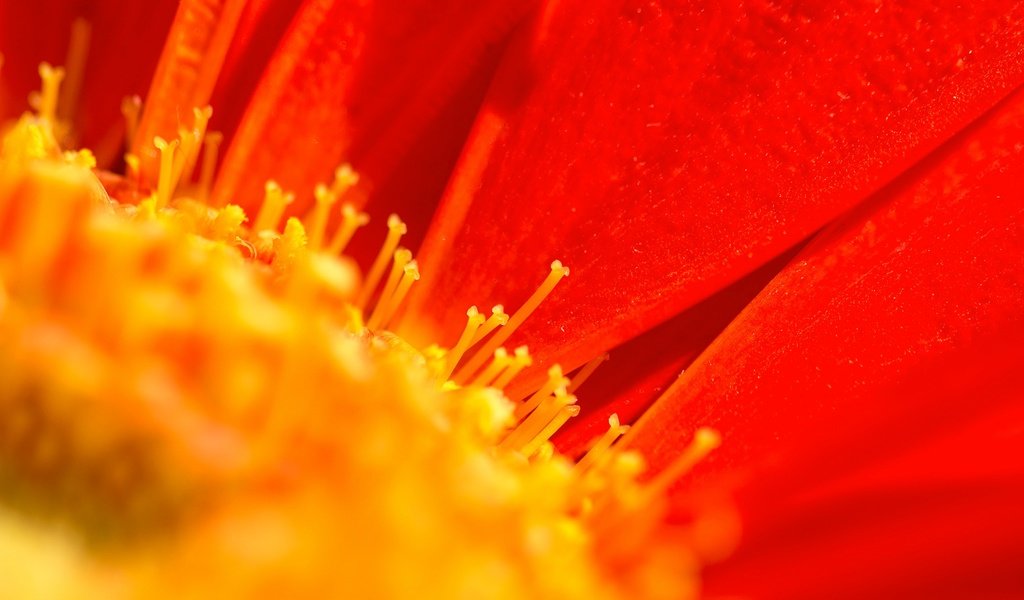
(221, 394)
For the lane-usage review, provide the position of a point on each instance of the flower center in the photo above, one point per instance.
(182, 379)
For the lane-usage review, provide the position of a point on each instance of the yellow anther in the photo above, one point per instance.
(131, 109)
(555, 381)
(410, 274)
(82, 158)
(211, 151)
(603, 444)
(473, 364)
(534, 424)
(351, 220)
(396, 229)
(344, 179)
(585, 372)
(704, 441)
(228, 223)
(473, 322)
(272, 209)
(564, 414)
(292, 240)
(132, 162)
(520, 361)
(401, 258)
(78, 54)
(50, 92)
(165, 182)
(318, 217)
(498, 364)
(191, 141)
(497, 319)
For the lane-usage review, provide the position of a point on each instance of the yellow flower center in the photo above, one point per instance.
(193, 406)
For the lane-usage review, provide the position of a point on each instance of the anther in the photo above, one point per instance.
(584, 373)
(191, 140)
(165, 182)
(520, 361)
(497, 319)
(555, 381)
(401, 258)
(274, 201)
(600, 448)
(498, 364)
(410, 275)
(557, 273)
(325, 200)
(344, 179)
(534, 424)
(473, 322)
(396, 229)
(704, 441)
(351, 220)
(561, 417)
(48, 96)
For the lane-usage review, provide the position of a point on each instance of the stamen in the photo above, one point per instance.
(396, 229)
(325, 200)
(564, 414)
(584, 373)
(165, 181)
(211, 151)
(401, 258)
(274, 201)
(473, 322)
(344, 179)
(351, 221)
(498, 363)
(555, 381)
(534, 424)
(191, 141)
(132, 163)
(599, 450)
(50, 92)
(131, 109)
(704, 441)
(557, 273)
(497, 319)
(520, 361)
(78, 53)
(410, 274)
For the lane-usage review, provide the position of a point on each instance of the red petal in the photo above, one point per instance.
(662, 152)
(356, 81)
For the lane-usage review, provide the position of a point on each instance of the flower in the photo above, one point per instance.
(677, 156)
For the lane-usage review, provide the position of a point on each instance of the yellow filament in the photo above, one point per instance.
(473, 364)
(704, 441)
(132, 162)
(396, 229)
(48, 96)
(410, 274)
(211, 150)
(165, 182)
(555, 381)
(401, 258)
(599, 450)
(585, 373)
(351, 221)
(498, 363)
(564, 414)
(78, 53)
(497, 319)
(473, 322)
(131, 109)
(344, 179)
(535, 423)
(318, 219)
(520, 361)
(191, 141)
(274, 201)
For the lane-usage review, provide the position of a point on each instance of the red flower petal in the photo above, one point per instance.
(356, 81)
(662, 152)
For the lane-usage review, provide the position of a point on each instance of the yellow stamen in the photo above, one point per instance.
(211, 151)
(401, 258)
(318, 218)
(704, 441)
(520, 361)
(498, 363)
(497, 319)
(191, 142)
(584, 373)
(78, 53)
(473, 322)
(561, 417)
(473, 364)
(132, 163)
(555, 381)
(274, 201)
(351, 221)
(165, 182)
(538, 419)
(411, 274)
(344, 179)
(396, 229)
(599, 450)
(48, 96)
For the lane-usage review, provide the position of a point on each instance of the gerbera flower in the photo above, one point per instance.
(817, 202)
